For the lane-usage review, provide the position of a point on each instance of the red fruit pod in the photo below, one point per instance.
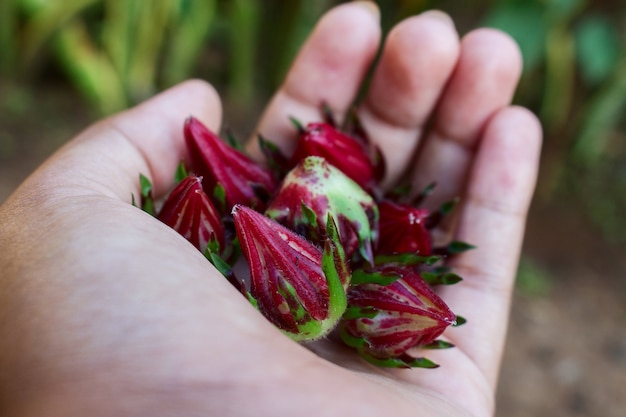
(294, 284)
(391, 310)
(229, 175)
(341, 150)
(403, 229)
(314, 190)
(189, 211)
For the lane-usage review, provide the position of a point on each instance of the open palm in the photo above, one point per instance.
(110, 312)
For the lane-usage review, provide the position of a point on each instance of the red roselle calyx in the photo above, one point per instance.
(403, 229)
(293, 283)
(391, 309)
(229, 175)
(189, 211)
(314, 191)
(343, 151)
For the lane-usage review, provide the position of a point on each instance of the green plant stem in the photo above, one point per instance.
(90, 69)
(244, 26)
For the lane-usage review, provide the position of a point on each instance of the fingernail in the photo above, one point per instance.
(438, 14)
(370, 6)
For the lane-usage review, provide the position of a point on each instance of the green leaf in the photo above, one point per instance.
(597, 48)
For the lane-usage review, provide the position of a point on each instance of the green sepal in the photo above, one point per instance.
(250, 298)
(219, 193)
(328, 115)
(459, 321)
(364, 277)
(400, 362)
(457, 246)
(335, 266)
(276, 160)
(352, 341)
(432, 278)
(232, 140)
(181, 173)
(353, 312)
(309, 216)
(406, 259)
(447, 207)
(419, 199)
(147, 201)
(437, 344)
(297, 124)
(219, 264)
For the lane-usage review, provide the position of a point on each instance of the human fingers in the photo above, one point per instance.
(418, 58)
(492, 217)
(483, 82)
(329, 68)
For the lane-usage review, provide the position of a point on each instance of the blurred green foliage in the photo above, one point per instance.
(118, 52)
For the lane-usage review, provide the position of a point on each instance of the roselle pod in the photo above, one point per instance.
(391, 310)
(403, 229)
(313, 191)
(297, 286)
(341, 150)
(189, 211)
(230, 176)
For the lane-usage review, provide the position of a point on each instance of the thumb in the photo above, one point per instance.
(107, 157)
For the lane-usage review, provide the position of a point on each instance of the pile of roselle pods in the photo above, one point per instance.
(324, 250)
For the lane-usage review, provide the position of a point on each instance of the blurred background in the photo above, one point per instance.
(65, 63)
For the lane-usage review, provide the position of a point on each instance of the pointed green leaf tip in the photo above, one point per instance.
(297, 124)
(147, 202)
(181, 173)
(406, 259)
(403, 361)
(457, 247)
(459, 321)
(364, 277)
(433, 278)
(438, 344)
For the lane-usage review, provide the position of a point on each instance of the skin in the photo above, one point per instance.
(105, 311)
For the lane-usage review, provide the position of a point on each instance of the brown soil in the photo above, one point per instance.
(566, 350)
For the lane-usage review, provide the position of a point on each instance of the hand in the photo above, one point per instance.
(106, 311)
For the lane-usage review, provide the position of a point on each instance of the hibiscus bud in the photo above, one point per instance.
(314, 191)
(403, 229)
(230, 176)
(391, 310)
(293, 283)
(189, 211)
(343, 151)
